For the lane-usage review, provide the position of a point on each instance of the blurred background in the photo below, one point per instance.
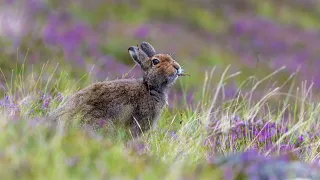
(254, 37)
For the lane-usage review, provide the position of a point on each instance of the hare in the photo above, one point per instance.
(135, 103)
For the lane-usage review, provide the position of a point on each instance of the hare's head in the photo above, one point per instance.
(160, 70)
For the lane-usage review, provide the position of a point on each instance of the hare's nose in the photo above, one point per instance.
(176, 66)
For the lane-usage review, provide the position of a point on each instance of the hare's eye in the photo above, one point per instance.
(155, 61)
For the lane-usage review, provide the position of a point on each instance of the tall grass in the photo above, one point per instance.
(185, 143)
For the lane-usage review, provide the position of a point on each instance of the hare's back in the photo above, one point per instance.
(116, 91)
(109, 99)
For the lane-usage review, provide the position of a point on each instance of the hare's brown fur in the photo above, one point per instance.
(135, 103)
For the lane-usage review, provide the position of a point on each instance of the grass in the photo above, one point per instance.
(273, 118)
(180, 146)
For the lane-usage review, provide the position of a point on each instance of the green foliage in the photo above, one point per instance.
(31, 149)
(175, 148)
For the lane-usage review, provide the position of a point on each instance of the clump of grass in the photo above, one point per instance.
(186, 143)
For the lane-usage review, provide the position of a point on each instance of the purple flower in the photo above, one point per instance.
(142, 32)
(35, 6)
(73, 36)
(267, 132)
(301, 139)
(234, 136)
(173, 134)
(10, 1)
(59, 97)
(285, 148)
(138, 146)
(51, 34)
(278, 44)
(7, 100)
(46, 102)
(239, 28)
(228, 173)
(102, 122)
(237, 118)
(14, 110)
(34, 122)
(42, 96)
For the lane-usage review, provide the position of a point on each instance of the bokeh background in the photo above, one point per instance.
(254, 37)
(63, 45)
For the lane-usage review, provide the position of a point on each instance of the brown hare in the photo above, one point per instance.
(135, 103)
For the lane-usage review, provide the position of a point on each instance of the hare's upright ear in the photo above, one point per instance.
(138, 56)
(134, 53)
(148, 49)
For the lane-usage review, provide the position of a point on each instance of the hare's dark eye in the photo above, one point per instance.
(155, 61)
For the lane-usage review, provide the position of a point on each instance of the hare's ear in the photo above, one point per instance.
(148, 49)
(134, 53)
(138, 56)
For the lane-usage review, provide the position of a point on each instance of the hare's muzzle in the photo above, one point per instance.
(179, 70)
(177, 67)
